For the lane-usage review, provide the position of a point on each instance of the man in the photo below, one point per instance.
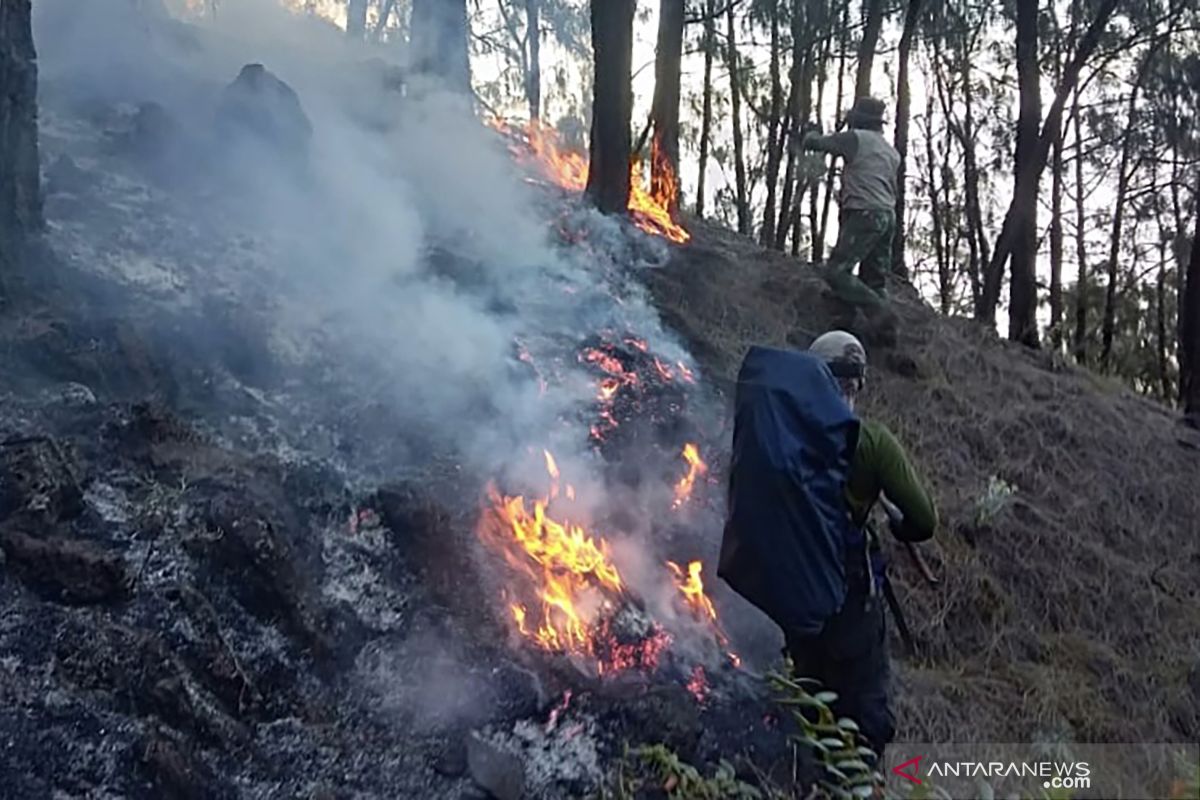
(867, 201)
(849, 655)
(804, 475)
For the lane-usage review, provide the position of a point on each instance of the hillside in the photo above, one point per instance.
(344, 455)
(1069, 612)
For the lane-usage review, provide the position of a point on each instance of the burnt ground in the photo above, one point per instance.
(180, 617)
(1067, 610)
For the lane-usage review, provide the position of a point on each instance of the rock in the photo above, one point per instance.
(496, 770)
(70, 571)
(260, 106)
(64, 175)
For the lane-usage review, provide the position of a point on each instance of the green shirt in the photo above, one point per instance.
(881, 466)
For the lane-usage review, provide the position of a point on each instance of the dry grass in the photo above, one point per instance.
(1070, 613)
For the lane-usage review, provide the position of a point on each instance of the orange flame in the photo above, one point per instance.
(696, 468)
(569, 571)
(691, 586)
(542, 148)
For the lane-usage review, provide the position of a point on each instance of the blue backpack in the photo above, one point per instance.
(789, 528)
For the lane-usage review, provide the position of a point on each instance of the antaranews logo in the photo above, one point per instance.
(1051, 774)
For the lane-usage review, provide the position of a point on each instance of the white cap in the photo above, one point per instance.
(839, 346)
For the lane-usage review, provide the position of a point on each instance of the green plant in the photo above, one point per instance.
(658, 767)
(994, 500)
(850, 765)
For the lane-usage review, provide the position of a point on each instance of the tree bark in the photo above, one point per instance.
(1022, 312)
(1012, 232)
(945, 284)
(839, 102)
(710, 45)
(774, 134)
(872, 24)
(1160, 304)
(612, 105)
(533, 76)
(804, 30)
(1056, 226)
(356, 19)
(664, 111)
(438, 41)
(1082, 280)
(903, 110)
(20, 181)
(1189, 345)
(739, 149)
(381, 23)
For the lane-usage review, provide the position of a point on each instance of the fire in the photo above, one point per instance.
(691, 586)
(696, 468)
(582, 608)
(542, 148)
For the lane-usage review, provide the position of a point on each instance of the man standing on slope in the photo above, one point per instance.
(804, 475)
(867, 213)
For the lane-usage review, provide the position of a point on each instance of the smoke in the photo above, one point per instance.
(392, 268)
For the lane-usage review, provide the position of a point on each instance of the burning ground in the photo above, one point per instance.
(346, 452)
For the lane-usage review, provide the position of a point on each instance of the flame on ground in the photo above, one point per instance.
(653, 210)
(696, 468)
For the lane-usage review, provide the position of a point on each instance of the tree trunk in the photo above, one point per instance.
(1023, 300)
(356, 19)
(774, 134)
(1056, 226)
(533, 76)
(664, 112)
(839, 102)
(1082, 280)
(1189, 344)
(903, 110)
(381, 23)
(872, 23)
(814, 207)
(1013, 231)
(438, 40)
(612, 105)
(739, 149)
(1160, 303)
(20, 182)
(1124, 176)
(799, 107)
(710, 45)
(936, 211)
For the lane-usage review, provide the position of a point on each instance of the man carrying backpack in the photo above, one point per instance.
(867, 208)
(804, 476)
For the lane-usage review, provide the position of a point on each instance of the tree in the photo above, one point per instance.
(710, 46)
(664, 111)
(1190, 339)
(741, 196)
(439, 42)
(775, 132)
(903, 103)
(1014, 233)
(20, 189)
(612, 104)
(872, 24)
(533, 47)
(356, 19)
(1022, 324)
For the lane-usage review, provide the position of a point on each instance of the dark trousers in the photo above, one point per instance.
(849, 656)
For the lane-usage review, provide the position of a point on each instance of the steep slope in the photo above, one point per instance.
(1067, 609)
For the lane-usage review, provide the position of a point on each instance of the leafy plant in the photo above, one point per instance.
(850, 765)
(994, 500)
(660, 768)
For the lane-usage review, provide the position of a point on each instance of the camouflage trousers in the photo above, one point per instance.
(864, 237)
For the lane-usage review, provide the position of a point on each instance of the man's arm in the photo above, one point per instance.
(844, 144)
(903, 487)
